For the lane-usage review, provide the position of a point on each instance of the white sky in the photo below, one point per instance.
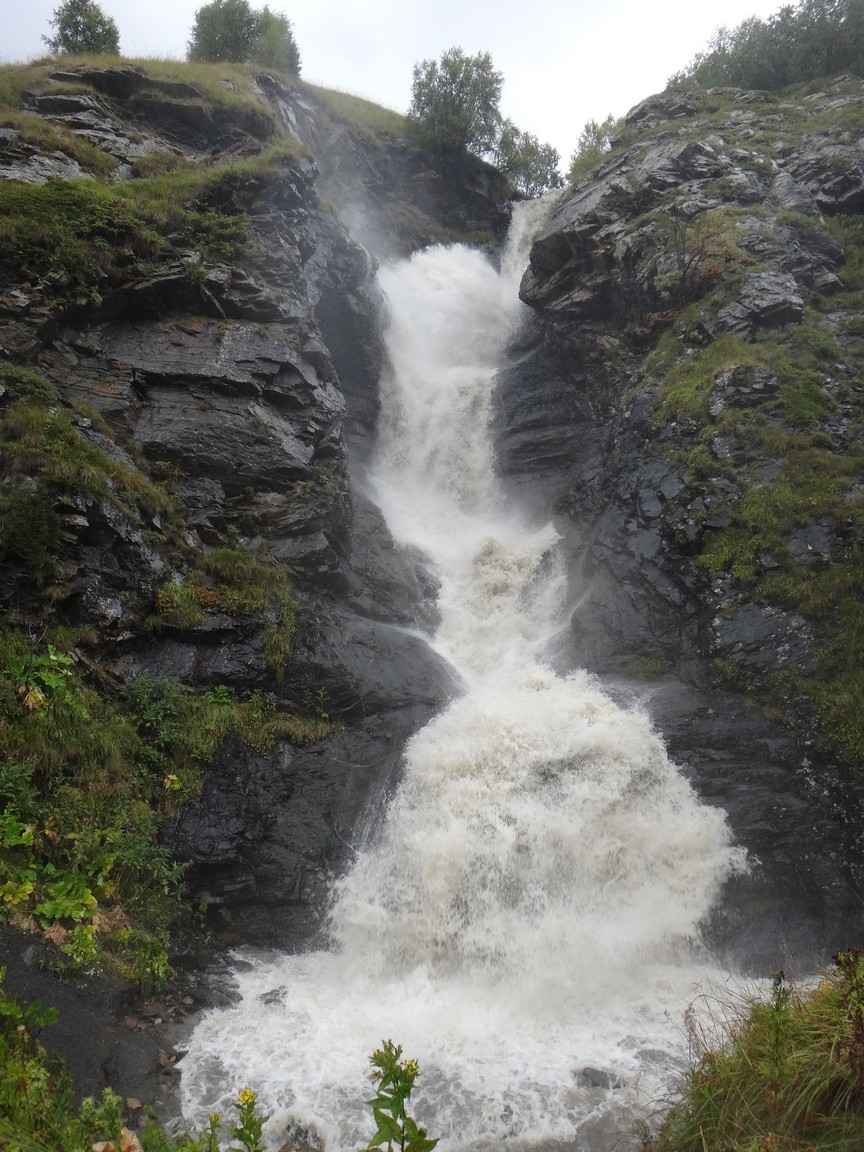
(564, 61)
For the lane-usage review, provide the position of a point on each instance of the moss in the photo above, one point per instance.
(236, 581)
(687, 383)
(29, 533)
(645, 667)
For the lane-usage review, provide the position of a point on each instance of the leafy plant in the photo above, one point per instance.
(395, 1081)
(249, 1124)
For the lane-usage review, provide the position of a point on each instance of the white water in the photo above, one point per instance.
(532, 903)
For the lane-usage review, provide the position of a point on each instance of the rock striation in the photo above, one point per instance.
(235, 383)
(685, 401)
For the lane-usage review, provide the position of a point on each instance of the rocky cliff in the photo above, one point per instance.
(185, 316)
(687, 400)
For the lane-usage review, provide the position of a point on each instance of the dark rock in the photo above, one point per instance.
(742, 386)
(765, 300)
(760, 638)
(89, 1035)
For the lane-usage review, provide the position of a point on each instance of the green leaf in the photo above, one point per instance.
(421, 1143)
(387, 1125)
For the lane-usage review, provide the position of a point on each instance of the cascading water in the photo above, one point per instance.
(530, 907)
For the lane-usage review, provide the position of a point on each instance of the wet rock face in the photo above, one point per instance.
(248, 390)
(653, 396)
(666, 234)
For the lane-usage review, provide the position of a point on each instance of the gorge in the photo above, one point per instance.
(687, 340)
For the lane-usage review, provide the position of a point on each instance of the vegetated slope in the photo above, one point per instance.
(700, 294)
(180, 315)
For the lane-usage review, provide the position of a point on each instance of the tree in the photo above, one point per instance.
(229, 30)
(454, 103)
(82, 26)
(274, 45)
(594, 140)
(817, 38)
(531, 166)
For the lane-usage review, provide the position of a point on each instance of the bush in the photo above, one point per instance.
(82, 26)
(229, 30)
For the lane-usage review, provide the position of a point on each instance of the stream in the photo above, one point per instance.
(524, 918)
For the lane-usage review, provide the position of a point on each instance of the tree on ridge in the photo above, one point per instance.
(82, 26)
(231, 31)
(454, 110)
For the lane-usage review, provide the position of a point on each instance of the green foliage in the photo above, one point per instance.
(703, 248)
(395, 1081)
(833, 598)
(82, 26)
(248, 1126)
(688, 380)
(80, 229)
(812, 39)
(236, 581)
(88, 235)
(595, 140)
(36, 1092)
(532, 167)
(789, 1077)
(81, 793)
(274, 45)
(43, 453)
(813, 484)
(454, 104)
(229, 30)
(223, 30)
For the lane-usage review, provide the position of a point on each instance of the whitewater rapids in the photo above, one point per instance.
(530, 907)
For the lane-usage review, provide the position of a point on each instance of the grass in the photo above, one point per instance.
(789, 1076)
(372, 118)
(235, 581)
(47, 137)
(43, 454)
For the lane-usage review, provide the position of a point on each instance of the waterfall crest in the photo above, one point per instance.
(532, 903)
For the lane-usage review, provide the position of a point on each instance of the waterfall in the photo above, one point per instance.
(531, 905)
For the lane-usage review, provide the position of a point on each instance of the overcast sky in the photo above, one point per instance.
(564, 61)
